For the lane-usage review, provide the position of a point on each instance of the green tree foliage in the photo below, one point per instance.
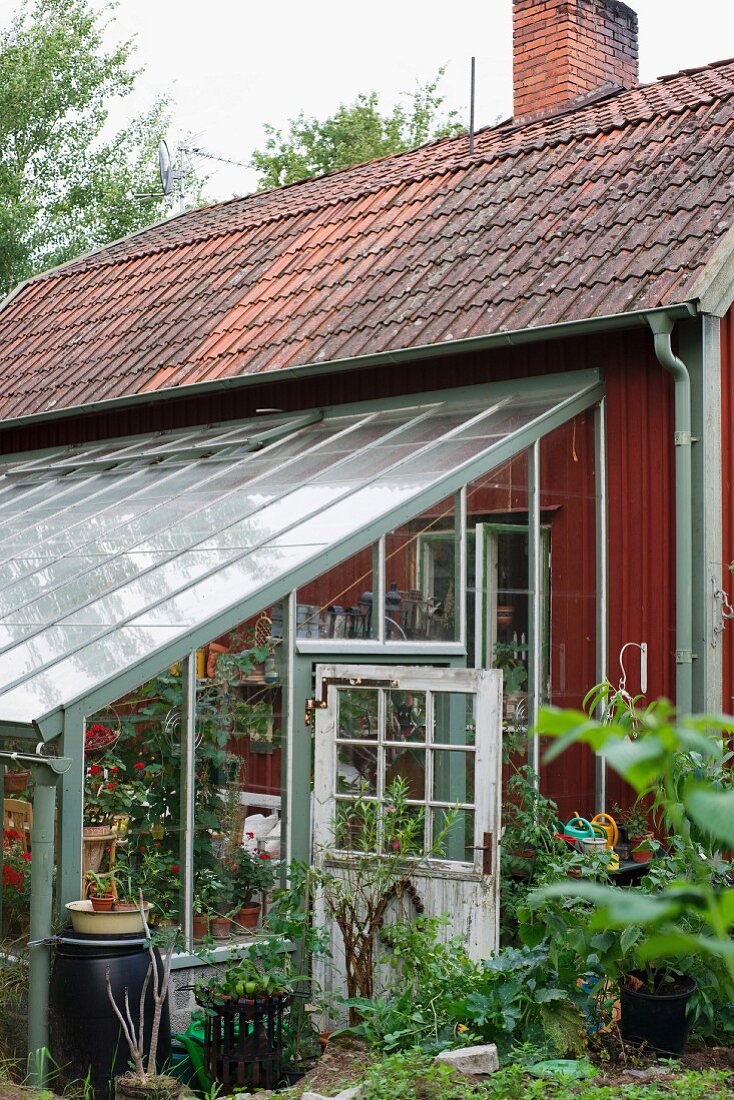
(65, 187)
(353, 134)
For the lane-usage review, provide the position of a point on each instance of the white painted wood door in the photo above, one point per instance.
(440, 730)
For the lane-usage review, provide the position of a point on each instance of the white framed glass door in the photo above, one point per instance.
(439, 731)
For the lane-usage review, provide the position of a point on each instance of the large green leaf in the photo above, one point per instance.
(712, 811)
(639, 762)
(570, 727)
(620, 907)
(675, 944)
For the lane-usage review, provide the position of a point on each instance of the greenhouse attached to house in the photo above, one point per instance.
(330, 488)
(200, 610)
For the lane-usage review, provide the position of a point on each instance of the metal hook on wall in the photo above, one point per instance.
(642, 646)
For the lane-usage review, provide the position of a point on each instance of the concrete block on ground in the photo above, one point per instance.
(480, 1059)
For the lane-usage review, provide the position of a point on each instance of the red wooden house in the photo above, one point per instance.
(566, 285)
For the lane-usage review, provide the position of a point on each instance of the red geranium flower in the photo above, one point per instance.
(95, 769)
(264, 855)
(11, 877)
(111, 786)
(26, 856)
(139, 765)
(175, 868)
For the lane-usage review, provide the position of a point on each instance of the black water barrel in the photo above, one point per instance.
(86, 1039)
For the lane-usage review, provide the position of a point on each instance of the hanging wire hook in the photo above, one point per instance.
(642, 646)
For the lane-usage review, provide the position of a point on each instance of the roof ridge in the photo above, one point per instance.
(692, 72)
(534, 133)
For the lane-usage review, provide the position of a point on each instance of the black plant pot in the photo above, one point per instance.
(658, 1019)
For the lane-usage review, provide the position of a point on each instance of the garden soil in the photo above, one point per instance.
(345, 1061)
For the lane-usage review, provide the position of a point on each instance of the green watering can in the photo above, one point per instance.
(579, 828)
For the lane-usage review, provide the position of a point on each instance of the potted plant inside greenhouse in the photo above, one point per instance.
(637, 831)
(510, 657)
(16, 780)
(101, 891)
(253, 874)
(209, 891)
(16, 885)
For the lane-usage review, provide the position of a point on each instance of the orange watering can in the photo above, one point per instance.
(607, 823)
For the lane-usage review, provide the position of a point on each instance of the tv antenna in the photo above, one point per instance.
(173, 180)
(170, 177)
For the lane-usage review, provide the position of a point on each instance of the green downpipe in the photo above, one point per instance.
(662, 328)
(39, 965)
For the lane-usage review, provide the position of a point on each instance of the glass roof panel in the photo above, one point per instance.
(115, 551)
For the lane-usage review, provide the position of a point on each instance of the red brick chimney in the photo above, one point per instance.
(565, 50)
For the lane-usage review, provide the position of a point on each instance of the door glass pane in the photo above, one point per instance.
(454, 720)
(453, 835)
(453, 776)
(356, 769)
(357, 714)
(404, 832)
(405, 716)
(356, 826)
(409, 765)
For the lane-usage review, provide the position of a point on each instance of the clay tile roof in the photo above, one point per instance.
(613, 207)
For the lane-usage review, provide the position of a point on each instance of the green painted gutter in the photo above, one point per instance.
(662, 328)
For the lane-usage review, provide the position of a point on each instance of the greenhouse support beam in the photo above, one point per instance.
(188, 794)
(71, 812)
(662, 328)
(45, 772)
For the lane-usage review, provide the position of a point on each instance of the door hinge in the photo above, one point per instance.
(312, 705)
(315, 703)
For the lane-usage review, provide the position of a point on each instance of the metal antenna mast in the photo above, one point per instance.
(472, 88)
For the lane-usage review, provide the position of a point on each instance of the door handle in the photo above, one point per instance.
(486, 847)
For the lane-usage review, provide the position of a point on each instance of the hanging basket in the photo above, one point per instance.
(99, 738)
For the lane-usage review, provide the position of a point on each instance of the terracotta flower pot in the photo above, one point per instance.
(201, 926)
(249, 915)
(640, 851)
(102, 904)
(221, 927)
(505, 614)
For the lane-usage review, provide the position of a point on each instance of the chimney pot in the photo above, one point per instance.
(565, 50)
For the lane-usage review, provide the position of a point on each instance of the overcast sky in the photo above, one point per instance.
(233, 65)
